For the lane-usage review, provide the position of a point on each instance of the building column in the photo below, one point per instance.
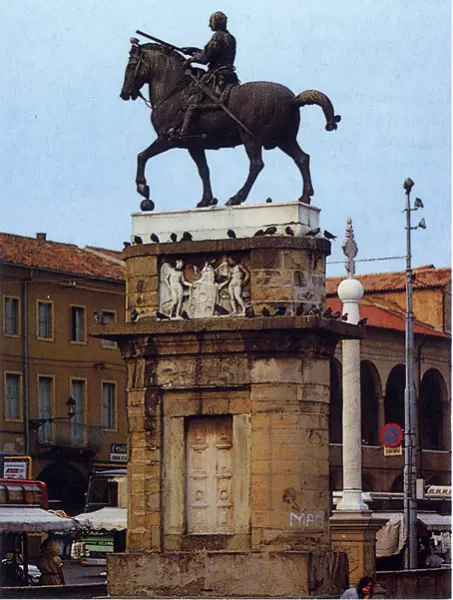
(352, 434)
(353, 530)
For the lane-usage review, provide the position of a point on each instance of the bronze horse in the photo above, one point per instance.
(268, 110)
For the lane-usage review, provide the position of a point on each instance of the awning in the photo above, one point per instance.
(434, 521)
(105, 519)
(15, 519)
(390, 539)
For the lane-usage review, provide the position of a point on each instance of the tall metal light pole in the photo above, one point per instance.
(410, 409)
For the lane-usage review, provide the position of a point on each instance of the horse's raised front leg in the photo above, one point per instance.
(254, 152)
(302, 160)
(157, 147)
(199, 156)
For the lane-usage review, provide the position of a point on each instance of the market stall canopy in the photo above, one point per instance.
(390, 538)
(105, 519)
(25, 520)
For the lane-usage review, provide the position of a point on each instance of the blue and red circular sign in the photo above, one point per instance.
(391, 435)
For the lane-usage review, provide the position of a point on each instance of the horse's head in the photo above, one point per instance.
(133, 77)
(146, 62)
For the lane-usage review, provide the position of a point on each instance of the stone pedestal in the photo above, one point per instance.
(214, 222)
(354, 532)
(228, 420)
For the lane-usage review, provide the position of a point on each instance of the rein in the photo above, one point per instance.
(164, 99)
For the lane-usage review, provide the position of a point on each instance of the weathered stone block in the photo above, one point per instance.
(260, 420)
(264, 258)
(316, 392)
(272, 294)
(141, 266)
(270, 278)
(284, 421)
(276, 371)
(240, 402)
(215, 406)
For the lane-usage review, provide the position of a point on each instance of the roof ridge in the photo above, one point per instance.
(34, 239)
(425, 268)
(104, 256)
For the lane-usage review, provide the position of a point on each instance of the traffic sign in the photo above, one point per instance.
(391, 435)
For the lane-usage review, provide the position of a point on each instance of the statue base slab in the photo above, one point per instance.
(214, 222)
(227, 574)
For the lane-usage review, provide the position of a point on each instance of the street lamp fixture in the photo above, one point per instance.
(410, 409)
(35, 424)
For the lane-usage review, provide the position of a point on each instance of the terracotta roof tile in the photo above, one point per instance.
(55, 256)
(425, 277)
(381, 317)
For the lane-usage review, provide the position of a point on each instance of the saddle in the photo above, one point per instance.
(220, 82)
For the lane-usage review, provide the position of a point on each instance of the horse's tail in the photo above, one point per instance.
(321, 100)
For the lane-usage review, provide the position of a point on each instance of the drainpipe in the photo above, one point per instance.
(25, 364)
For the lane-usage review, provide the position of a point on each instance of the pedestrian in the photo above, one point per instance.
(364, 589)
(50, 564)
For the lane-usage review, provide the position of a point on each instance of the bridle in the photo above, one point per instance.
(136, 55)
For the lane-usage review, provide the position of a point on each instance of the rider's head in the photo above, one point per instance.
(218, 21)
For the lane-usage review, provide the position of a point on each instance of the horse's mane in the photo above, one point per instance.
(163, 50)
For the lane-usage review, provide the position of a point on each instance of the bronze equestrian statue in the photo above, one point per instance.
(199, 110)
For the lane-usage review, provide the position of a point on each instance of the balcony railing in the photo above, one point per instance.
(66, 434)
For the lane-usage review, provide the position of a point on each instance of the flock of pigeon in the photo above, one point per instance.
(187, 237)
(281, 310)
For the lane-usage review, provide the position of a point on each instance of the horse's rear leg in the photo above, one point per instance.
(254, 152)
(157, 147)
(199, 157)
(302, 160)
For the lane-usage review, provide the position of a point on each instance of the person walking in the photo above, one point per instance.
(50, 564)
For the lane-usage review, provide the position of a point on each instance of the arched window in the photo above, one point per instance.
(336, 402)
(394, 396)
(370, 390)
(432, 395)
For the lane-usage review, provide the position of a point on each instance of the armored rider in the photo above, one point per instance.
(219, 54)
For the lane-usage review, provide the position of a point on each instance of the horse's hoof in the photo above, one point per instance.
(146, 205)
(233, 201)
(305, 199)
(204, 203)
(208, 202)
(143, 190)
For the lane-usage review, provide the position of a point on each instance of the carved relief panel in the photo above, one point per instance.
(203, 287)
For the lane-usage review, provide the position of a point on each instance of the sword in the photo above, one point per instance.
(220, 104)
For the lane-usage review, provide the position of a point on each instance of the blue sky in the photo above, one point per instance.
(69, 144)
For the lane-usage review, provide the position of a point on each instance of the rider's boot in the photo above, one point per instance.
(182, 133)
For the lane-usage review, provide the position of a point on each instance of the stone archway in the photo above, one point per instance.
(433, 395)
(398, 483)
(336, 402)
(394, 396)
(66, 487)
(370, 392)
